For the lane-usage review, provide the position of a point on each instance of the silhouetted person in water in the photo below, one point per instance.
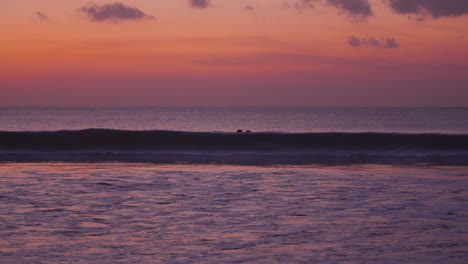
(239, 131)
(248, 131)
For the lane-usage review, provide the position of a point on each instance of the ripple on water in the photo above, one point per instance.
(143, 213)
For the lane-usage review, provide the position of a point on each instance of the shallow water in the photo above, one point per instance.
(145, 213)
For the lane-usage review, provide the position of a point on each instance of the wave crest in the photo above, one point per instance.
(281, 148)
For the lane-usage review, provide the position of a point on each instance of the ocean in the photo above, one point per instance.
(292, 120)
(180, 185)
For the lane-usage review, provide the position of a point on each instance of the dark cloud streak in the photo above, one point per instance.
(371, 41)
(199, 3)
(113, 12)
(434, 8)
(41, 17)
(354, 41)
(353, 7)
(388, 43)
(391, 43)
(359, 9)
(248, 8)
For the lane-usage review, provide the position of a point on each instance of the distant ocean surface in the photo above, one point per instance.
(179, 185)
(290, 120)
(294, 136)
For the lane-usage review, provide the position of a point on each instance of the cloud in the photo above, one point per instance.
(41, 17)
(199, 3)
(304, 4)
(391, 43)
(354, 41)
(434, 8)
(248, 8)
(371, 41)
(387, 43)
(355, 8)
(113, 12)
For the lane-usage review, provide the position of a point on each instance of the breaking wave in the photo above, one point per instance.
(94, 145)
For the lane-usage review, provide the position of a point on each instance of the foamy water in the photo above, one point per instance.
(145, 213)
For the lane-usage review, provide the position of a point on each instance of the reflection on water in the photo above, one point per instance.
(142, 213)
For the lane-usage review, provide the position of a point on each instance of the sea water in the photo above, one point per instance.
(149, 213)
(293, 120)
(336, 185)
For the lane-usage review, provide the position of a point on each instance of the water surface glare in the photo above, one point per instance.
(145, 213)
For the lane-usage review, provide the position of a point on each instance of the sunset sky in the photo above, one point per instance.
(305, 53)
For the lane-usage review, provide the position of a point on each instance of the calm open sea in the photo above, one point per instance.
(177, 185)
(293, 120)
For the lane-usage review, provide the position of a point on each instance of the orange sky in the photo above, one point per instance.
(52, 54)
